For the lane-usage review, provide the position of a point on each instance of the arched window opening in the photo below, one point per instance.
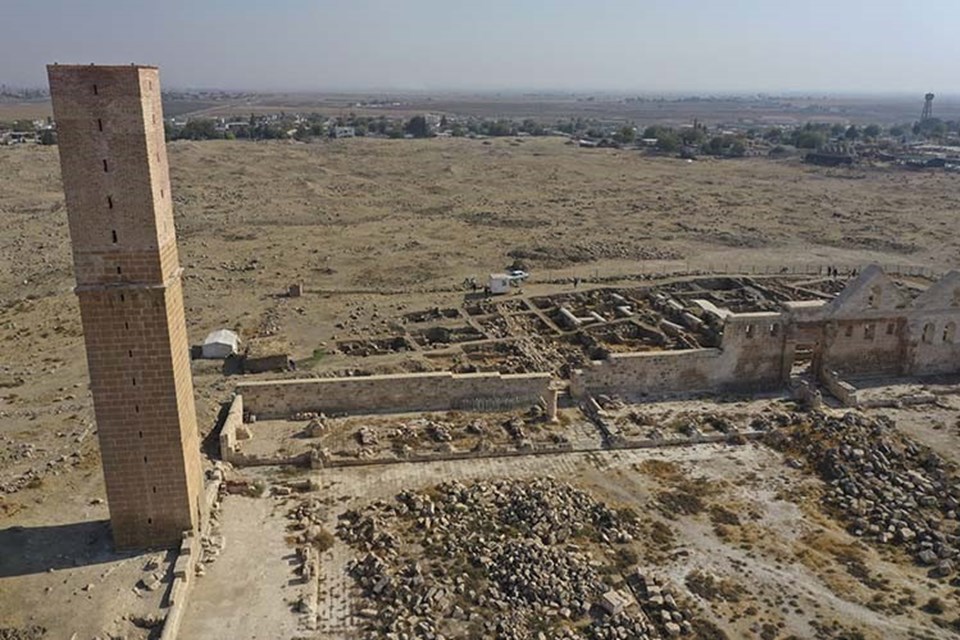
(949, 332)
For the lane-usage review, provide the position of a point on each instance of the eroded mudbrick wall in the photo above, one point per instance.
(115, 176)
(395, 393)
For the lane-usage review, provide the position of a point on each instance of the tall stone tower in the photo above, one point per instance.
(114, 164)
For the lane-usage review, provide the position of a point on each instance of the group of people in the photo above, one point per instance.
(833, 272)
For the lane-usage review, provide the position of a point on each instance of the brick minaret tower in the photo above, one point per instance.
(114, 164)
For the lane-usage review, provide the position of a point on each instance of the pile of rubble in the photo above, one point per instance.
(658, 603)
(503, 559)
(212, 541)
(890, 489)
(315, 428)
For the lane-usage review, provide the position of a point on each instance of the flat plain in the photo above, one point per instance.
(376, 228)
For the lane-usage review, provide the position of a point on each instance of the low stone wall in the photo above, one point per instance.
(495, 452)
(655, 373)
(185, 565)
(845, 392)
(401, 393)
(750, 359)
(228, 432)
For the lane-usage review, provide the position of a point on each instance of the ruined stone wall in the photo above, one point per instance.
(754, 352)
(648, 373)
(933, 343)
(395, 393)
(865, 346)
(750, 358)
(843, 391)
(228, 431)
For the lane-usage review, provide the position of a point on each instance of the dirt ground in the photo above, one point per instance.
(783, 568)
(375, 229)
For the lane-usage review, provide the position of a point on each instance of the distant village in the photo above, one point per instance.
(928, 143)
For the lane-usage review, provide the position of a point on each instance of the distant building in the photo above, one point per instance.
(20, 137)
(827, 159)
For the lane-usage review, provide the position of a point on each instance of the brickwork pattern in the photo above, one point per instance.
(395, 393)
(116, 180)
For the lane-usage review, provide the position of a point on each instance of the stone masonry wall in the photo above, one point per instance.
(843, 391)
(933, 342)
(750, 358)
(873, 346)
(117, 187)
(394, 393)
(648, 373)
(228, 431)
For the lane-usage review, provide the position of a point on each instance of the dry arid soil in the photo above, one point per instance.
(375, 228)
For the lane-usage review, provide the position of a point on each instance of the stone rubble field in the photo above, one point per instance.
(503, 559)
(889, 489)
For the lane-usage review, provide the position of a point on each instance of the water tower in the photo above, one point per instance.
(927, 107)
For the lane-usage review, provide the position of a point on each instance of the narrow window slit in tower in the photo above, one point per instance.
(109, 202)
(123, 298)
(149, 520)
(130, 352)
(144, 459)
(136, 409)
(95, 90)
(99, 124)
(141, 433)
(126, 325)
(113, 233)
(119, 270)
(105, 169)
(134, 381)
(154, 489)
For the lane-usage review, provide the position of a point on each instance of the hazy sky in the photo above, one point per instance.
(636, 46)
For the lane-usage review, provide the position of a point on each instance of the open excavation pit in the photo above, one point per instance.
(564, 331)
(351, 440)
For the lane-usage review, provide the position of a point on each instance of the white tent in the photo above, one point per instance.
(220, 344)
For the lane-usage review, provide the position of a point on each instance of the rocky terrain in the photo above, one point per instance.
(374, 229)
(889, 489)
(503, 559)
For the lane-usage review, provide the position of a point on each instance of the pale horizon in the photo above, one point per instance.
(690, 47)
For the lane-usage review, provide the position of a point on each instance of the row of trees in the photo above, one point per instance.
(809, 136)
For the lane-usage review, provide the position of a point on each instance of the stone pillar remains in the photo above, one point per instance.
(551, 404)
